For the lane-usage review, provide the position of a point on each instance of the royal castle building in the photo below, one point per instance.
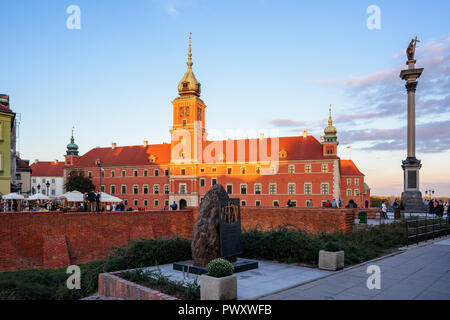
(261, 172)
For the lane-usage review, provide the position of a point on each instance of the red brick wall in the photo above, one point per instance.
(36, 240)
(311, 220)
(31, 240)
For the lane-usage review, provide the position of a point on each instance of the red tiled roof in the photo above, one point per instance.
(297, 148)
(348, 168)
(47, 169)
(126, 156)
(22, 164)
(4, 108)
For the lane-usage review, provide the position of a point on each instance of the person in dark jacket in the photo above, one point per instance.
(439, 209)
(431, 207)
(97, 201)
(351, 204)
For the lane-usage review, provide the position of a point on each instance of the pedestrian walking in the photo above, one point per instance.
(384, 210)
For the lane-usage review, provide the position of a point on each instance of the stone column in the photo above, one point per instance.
(411, 196)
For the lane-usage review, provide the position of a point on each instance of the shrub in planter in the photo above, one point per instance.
(220, 283)
(220, 268)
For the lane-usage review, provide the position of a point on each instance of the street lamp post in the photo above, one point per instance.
(98, 162)
(429, 192)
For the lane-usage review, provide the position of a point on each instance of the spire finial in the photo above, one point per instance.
(72, 139)
(189, 63)
(330, 120)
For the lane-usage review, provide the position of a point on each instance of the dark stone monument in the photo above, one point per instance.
(216, 234)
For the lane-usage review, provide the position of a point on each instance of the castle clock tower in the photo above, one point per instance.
(188, 119)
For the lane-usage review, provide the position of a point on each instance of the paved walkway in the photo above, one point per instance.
(419, 273)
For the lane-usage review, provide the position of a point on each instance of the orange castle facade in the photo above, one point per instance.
(261, 172)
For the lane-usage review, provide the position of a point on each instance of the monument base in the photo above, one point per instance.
(240, 265)
(413, 202)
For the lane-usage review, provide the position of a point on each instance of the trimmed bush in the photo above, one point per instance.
(220, 268)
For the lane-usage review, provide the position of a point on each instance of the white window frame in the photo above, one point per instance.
(304, 187)
(290, 184)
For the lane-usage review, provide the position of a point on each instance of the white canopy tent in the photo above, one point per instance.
(73, 196)
(38, 196)
(104, 197)
(13, 196)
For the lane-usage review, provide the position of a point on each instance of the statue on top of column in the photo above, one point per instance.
(411, 50)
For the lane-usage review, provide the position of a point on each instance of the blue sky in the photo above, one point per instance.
(263, 65)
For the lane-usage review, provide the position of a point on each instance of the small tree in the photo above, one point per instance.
(77, 181)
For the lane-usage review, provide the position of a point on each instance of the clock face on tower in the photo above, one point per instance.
(184, 111)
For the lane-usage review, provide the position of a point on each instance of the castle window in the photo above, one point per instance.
(145, 202)
(214, 169)
(291, 188)
(276, 203)
(257, 188)
(184, 123)
(243, 203)
(125, 202)
(229, 188)
(156, 202)
(308, 188)
(349, 181)
(135, 173)
(113, 173)
(324, 188)
(324, 168)
(135, 189)
(243, 169)
(202, 182)
(112, 189)
(145, 189)
(213, 181)
(257, 203)
(356, 192)
(102, 188)
(356, 182)
(294, 203)
(182, 188)
(273, 188)
(309, 203)
(307, 168)
(156, 188)
(202, 170)
(136, 202)
(258, 170)
(349, 192)
(291, 169)
(166, 172)
(183, 172)
(166, 189)
(123, 173)
(124, 189)
(145, 173)
(230, 170)
(90, 174)
(243, 188)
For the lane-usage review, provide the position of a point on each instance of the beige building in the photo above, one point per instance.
(23, 176)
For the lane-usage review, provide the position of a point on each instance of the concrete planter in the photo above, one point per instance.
(212, 288)
(331, 260)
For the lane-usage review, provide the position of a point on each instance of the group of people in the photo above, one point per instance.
(437, 207)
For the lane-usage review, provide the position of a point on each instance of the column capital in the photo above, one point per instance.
(411, 86)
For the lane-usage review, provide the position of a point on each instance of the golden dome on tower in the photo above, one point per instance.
(330, 130)
(189, 84)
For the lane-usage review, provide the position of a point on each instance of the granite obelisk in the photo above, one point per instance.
(411, 196)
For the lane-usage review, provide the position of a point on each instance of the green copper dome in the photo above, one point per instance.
(72, 147)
